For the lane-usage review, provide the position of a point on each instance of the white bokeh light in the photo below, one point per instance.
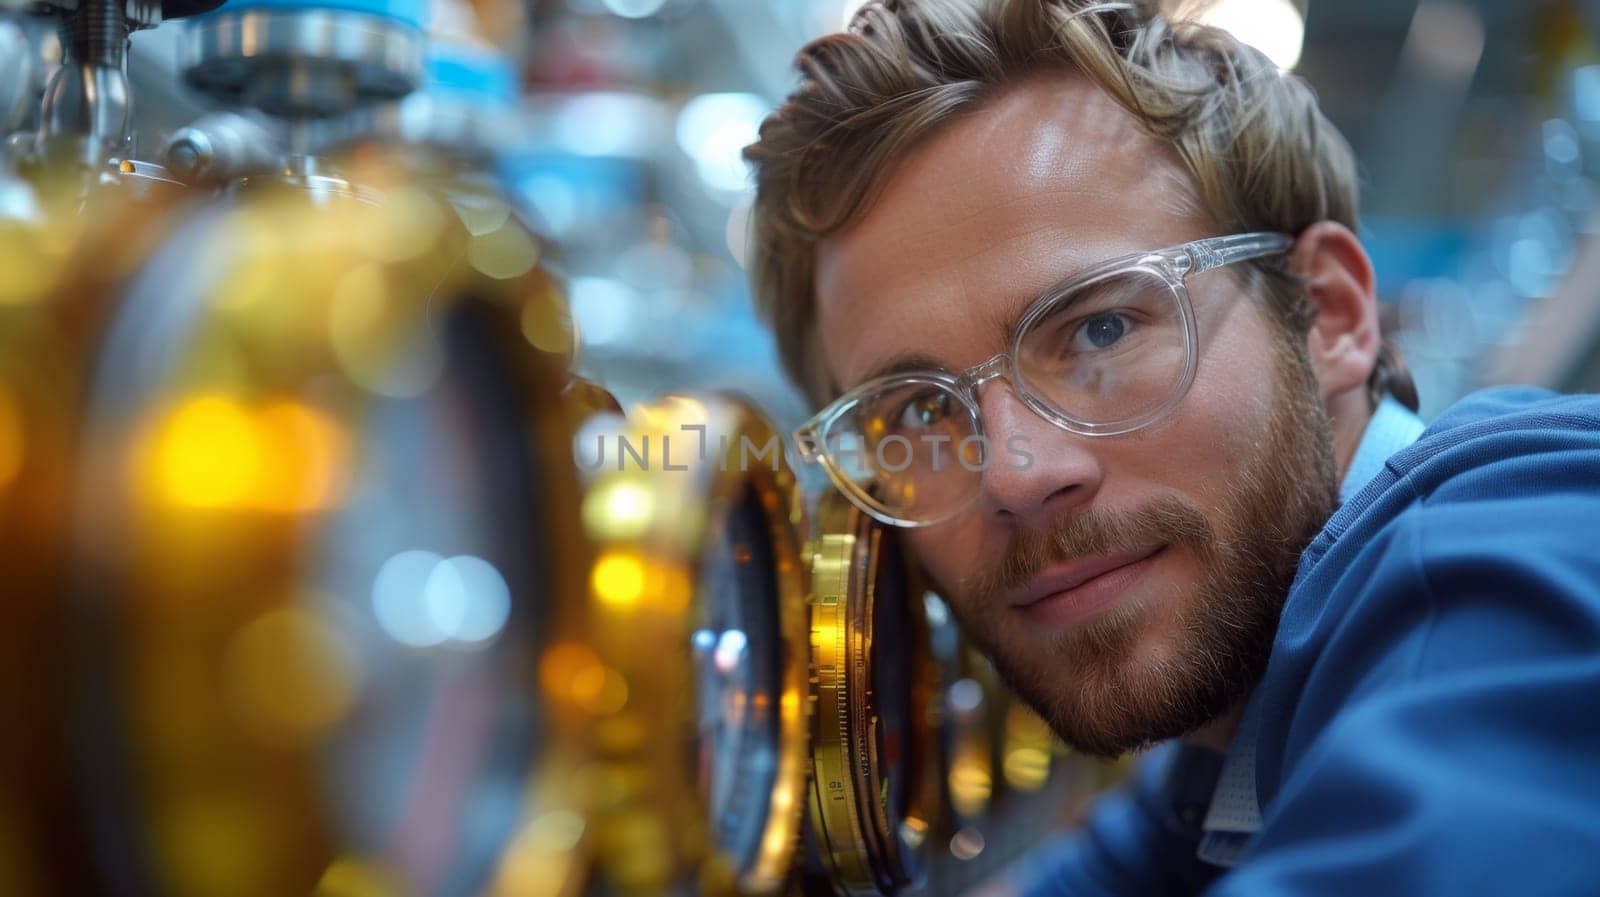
(400, 599)
(423, 600)
(602, 308)
(713, 129)
(1275, 27)
(488, 599)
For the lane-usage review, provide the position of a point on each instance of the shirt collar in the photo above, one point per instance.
(1393, 427)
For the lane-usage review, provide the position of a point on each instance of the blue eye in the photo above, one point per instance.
(1101, 331)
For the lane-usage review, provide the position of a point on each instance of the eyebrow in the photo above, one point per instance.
(904, 364)
(911, 363)
(1054, 291)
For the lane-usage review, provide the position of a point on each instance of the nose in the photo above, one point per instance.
(1038, 470)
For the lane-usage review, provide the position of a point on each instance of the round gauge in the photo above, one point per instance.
(331, 520)
(738, 651)
(875, 783)
(700, 619)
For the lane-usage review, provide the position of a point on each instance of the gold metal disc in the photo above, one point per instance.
(692, 479)
(875, 782)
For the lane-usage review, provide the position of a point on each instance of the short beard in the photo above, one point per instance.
(1098, 696)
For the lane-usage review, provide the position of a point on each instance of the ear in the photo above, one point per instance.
(1344, 340)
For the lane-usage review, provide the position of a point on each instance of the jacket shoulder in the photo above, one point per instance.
(1506, 443)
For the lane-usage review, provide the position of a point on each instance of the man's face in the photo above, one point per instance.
(1189, 528)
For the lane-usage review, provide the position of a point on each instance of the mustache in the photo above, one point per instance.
(1166, 520)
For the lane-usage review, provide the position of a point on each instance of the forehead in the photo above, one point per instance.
(1039, 182)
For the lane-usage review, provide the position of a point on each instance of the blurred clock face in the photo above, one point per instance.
(737, 651)
(437, 538)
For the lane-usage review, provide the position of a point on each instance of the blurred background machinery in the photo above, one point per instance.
(291, 509)
(1474, 121)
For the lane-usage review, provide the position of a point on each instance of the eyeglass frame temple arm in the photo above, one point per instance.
(807, 442)
(1218, 252)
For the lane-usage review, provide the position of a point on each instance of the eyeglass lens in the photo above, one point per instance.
(1108, 351)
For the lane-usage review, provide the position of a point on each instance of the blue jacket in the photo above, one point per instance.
(1429, 721)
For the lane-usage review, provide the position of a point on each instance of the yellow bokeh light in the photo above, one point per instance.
(670, 414)
(348, 877)
(970, 785)
(212, 839)
(914, 830)
(380, 334)
(307, 458)
(638, 848)
(541, 859)
(619, 579)
(619, 509)
(1027, 769)
(213, 452)
(558, 830)
(410, 225)
(290, 676)
(673, 590)
(562, 665)
(547, 324)
(504, 253)
(600, 690)
(208, 454)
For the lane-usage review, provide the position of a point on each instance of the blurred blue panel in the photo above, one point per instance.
(1406, 249)
(472, 73)
(410, 12)
(569, 191)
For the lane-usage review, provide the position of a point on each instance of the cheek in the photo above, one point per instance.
(950, 553)
(1221, 425)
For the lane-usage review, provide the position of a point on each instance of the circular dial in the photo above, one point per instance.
(872, 680)
(439, 532)
(739, 680)
(699, 612)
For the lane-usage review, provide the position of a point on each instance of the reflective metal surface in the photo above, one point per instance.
(328, 524)
(875, 785)
(19, 75)
(221, 146)
(698, 590)
(302, 62)
(85, 115)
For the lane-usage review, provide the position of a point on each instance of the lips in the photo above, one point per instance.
(1067, 593)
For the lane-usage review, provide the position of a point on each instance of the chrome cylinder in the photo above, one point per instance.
(305, 62)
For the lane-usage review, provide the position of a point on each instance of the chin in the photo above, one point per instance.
(1121, 682)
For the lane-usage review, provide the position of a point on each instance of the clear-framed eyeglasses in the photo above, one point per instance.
(1107, 352)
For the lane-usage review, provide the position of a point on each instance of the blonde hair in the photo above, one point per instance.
(1259, 153)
